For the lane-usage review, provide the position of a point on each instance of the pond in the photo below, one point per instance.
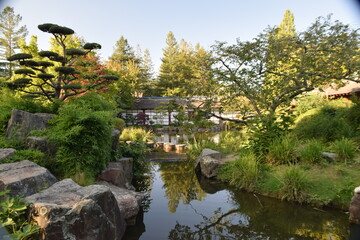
(181, 205)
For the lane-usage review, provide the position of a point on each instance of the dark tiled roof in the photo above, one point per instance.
(350, 87)
(154, 102)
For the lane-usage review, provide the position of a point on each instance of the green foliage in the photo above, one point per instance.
(195, 148)
(31, 155)
(91, 46)
(295, 185)
(312, 151)
(119, 124)
(9, 101)
(242, 173)
(24, 71)
(266, 128)
(282, 150)
(233, 141)
(309, 101)
(137, 150)
(136, 134)
(82, 133)
(19, 56)
(344, 148)
(13, 218)
(327, 122)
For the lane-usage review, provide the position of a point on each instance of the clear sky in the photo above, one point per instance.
(147, 22)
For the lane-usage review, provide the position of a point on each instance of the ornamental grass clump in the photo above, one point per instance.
(312, 151)
(242, 173)
(345, 149)
(136, 134)
(295, 183)
(282, 150)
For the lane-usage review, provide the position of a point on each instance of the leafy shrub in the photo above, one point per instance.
(28, 154)
(309, 101)
(137, 150)
(268, 127)
(295, 185)
(82, 133)
(242, 173)
(136, 134)
(312, 151)
(232, 140)
(13, 218)
(327, 123)
(282, 150)
(344, 148)
(119, 124)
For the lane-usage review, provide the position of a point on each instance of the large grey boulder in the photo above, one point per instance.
(209, 162)
(67, 211)
(129, 202)
(21, 123)
(24, 178)
(6, 153)
(119, 173)
(354, 209)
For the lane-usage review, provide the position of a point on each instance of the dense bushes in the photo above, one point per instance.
(82, 133)
(328, 122)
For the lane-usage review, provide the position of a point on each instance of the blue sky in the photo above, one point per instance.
(147, 22)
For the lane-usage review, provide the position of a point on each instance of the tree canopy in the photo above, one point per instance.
(58, 77)
(10, 34)
(280, 64)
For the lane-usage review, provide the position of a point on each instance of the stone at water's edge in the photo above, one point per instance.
(6, 153)
(354, 209)
(210, 166)
(208, 162)
(119, 173)
(24, 178)
(69, 211)
(21, 123)
(129, 202)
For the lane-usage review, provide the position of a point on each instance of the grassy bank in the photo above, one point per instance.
(288, 162)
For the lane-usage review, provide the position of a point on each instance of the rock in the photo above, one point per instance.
(115, 134)
(24, 178)
(68, 211)
(209, 166)
(354, 209)
(41, 144)
(6, 153)
(129, 202)
(210, 161)
(208, 152)
(119, 173)
(330, 157)
(21, 123)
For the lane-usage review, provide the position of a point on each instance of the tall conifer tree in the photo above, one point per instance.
(10, 34)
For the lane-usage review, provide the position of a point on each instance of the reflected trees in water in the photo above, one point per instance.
(180, 183)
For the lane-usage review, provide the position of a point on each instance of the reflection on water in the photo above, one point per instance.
(184, 206)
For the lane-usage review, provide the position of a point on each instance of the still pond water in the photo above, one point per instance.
(181, 205)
